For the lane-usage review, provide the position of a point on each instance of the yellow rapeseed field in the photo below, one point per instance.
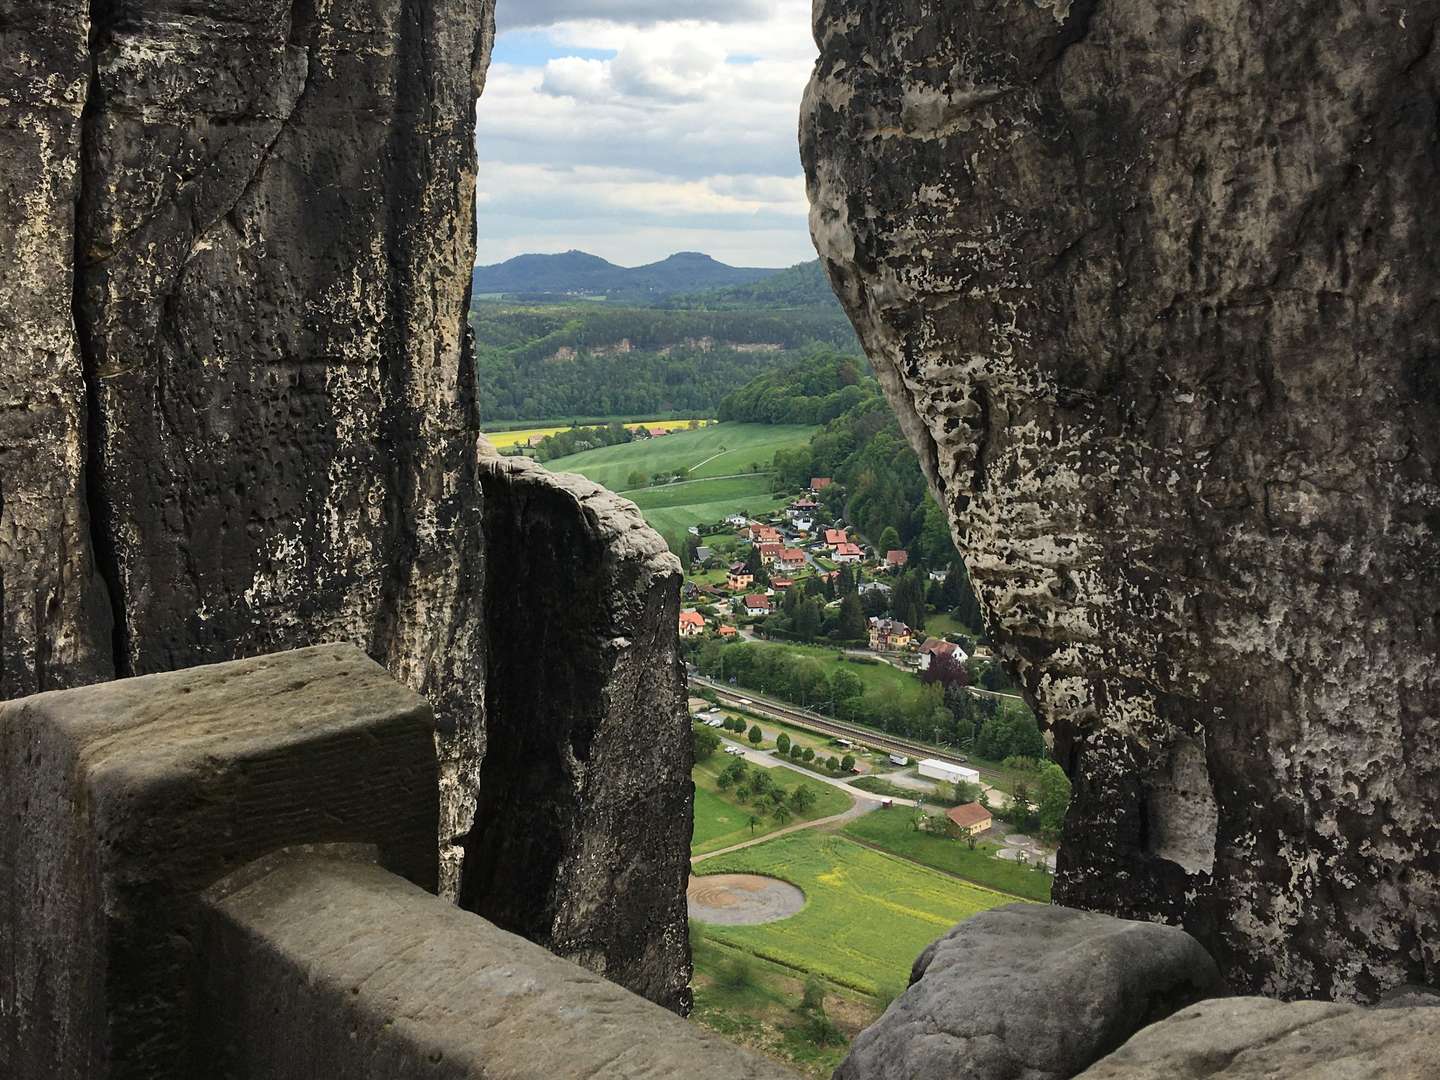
(503, 440)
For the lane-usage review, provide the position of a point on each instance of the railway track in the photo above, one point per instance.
(823, 725)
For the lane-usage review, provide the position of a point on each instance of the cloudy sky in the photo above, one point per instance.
(633, 129)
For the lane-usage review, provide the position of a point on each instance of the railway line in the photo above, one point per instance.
(823, 725)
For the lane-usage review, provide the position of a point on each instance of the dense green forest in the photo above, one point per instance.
(554, 361)
(801, 286)
(575, 273)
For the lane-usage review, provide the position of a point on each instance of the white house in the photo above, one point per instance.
(951, 774)
(935, 647)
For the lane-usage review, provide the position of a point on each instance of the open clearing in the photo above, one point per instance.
(894, 833)
(724, 449)
(720, 821)
(868, 914)
(742, 899)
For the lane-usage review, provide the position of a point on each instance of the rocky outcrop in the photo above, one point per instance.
(582, 835)
(239, 416)
(1257, 1038)
(1150, 286)
(1033, 992)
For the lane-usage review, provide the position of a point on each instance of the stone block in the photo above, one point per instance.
(119, 803)
(325, 968)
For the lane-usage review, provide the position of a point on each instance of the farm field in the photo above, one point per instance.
(720, 821)
(503, 440)
(719, 450)
(868, 914)
(894, 833)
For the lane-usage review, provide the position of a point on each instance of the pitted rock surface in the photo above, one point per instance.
(1259, 1039)
(1033, 992)
(239, 416)
(1151, 288)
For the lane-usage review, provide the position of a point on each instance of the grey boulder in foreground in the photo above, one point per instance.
(1251, 1038)
(1031, 993)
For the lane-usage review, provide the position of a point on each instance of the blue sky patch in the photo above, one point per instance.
(533, 48)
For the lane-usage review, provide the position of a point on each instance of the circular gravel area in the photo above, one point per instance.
(742, 899)
(1019, 840)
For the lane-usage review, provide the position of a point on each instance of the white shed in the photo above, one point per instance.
(951, 774)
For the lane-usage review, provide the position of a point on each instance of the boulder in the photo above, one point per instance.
(1261, 1039)
(1033, 993)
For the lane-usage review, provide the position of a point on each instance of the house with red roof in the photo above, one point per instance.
(936, 647)
(727, 631)
(835, 537)
(972, 818)
(848, 553)
(692, 624)
(896, 560)
(756, 605)
(764, 534)
(790, 558)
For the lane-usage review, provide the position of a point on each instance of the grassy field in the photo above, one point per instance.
(721, 450)
(758, 1004)
(721, 821)
(867, 916)
(503, 440)
(893, 832)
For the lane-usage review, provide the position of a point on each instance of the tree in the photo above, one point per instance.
(1053, 797)
(845, 685)
(807, 620)
(946, 670)
(889, 539)
(795, 753)
(636, 479)
(761, 781)
(803, 798)
(846, 763)
(833, 763)
(756, 735)
(967, 792)
(742, 794)
(852, 618)
(754, 821)
(781, 814)
(706, 743)
(782, 743)
(809, 753)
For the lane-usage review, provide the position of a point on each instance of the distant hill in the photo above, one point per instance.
(801, 286)
(575, 273)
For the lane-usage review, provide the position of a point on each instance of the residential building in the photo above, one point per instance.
(771, 552)
(790, 558)
(739, 578)
(802, 508)
(738, 521)
(935, 647)
(820, 483)
(703, 554)
(972, 818)
(781, 583)
(896, 560)
(727, 631)
(848, 553)
(764, 534)
(756, 605)
(803, 524)
(835, 537)
(692, 624)
(865, 588)
(887, 635)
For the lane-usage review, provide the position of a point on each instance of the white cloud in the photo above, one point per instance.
(518, 14)
(688, 124)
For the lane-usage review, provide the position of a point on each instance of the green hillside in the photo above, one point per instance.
(721, 462)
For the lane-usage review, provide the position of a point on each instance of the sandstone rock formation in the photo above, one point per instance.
(1151, 286)
(1030, 991)
(1257, 1038)
(239, 403)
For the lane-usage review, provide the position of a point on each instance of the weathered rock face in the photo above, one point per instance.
(239, 410)
(582, 834)
(1030, 991)
(1257, 1038)
(1151, 287)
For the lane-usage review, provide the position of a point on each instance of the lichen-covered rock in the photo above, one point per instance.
(1261, 1039)
(54, 613)
(1031, 992)
(239, 417)
(1151, 286)
(582, 833)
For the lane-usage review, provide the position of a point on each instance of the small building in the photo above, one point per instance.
(659, 432)
(790, 558)
(727, 631)
(865, 588)
(896, 559)
(939, 575)
(819, 484)
(848, 553)
(771, 552)
(888, 634)
(802, 508)
(835, 537)
(736, 580)
(972, 818)
(703, 554)
(692, 624)
(933, 769)
(764, 534)
(738, 521)
(803, 525)
(899, 759)
(781, 583)
(757, 605)
(934, 647)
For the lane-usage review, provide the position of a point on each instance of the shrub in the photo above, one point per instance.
(808, 754)
(782, 743)
(756, 735)
(813, 999)
(736, 974)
